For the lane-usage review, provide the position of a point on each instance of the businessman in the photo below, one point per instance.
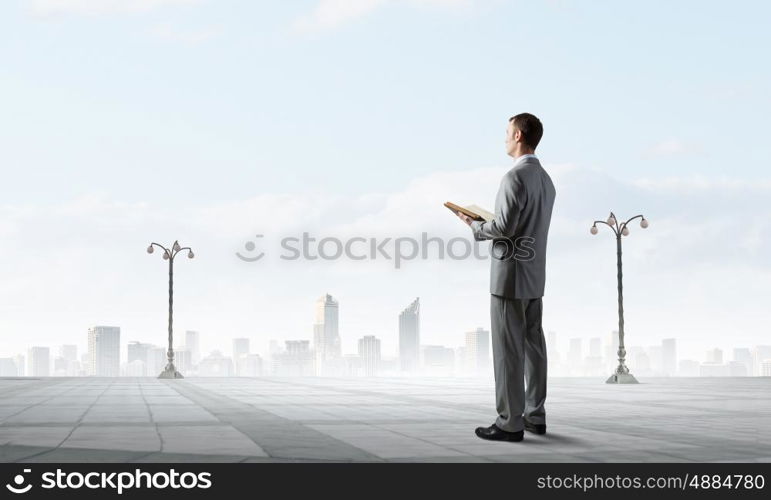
(518, 232)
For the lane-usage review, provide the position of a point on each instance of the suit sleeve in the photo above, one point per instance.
(505, 222)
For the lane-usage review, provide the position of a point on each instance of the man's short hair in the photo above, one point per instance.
(530, 127)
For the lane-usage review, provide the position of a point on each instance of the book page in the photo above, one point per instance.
(488, 216)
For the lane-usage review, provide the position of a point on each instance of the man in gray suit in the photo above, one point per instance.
(519, 231)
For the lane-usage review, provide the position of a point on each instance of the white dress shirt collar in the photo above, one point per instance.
(522, 158)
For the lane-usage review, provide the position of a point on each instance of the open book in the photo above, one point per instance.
(473, 211)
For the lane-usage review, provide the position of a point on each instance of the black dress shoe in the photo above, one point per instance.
(494, 433)
(535, 428)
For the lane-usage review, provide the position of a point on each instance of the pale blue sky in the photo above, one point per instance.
(204, 101)
(125, 121)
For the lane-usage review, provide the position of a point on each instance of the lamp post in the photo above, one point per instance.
(168, 254)
(621, 375)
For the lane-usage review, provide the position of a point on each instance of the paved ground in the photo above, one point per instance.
(298, 419)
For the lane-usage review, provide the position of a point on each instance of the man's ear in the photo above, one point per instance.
(517, 135)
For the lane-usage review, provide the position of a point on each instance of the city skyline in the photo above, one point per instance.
(644, 361)
(391, 342)
(321, 355)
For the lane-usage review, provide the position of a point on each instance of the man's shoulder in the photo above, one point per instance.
(527, 168)
(529, 175)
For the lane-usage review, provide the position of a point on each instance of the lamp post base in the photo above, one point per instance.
(170, 372)
(622, 378)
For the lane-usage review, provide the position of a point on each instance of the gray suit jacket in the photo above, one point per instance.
(519, 231)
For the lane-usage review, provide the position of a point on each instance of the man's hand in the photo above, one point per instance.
(465, 218)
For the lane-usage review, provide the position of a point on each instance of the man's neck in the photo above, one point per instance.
(519, 155)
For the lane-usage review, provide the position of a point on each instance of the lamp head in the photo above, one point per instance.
(593, 230)
(150, 249)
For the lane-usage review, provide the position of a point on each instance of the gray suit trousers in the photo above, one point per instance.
(519, 354)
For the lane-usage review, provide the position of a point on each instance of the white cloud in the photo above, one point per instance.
(99, 7)
(170, 33)
(672, 147)
(330, 14)
(702, 183)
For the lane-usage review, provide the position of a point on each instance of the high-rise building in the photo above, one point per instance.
(409, 337)
(156, 360)
(8, 368)
(136, 368)
(477, 351)
(274, 352)
(351, 365)
(21, 364)
(68, 352)
(760, 353)
(595, 347)
(688, 368)
(737, 369)
(639, 360)
(655, 355)
(714, 365)
(743, 355)
(60, 367)
(712, 369)
(250, 365)
(439, 360)
(552, 353)
(104, 351)
(575, 357)
(669, 356)
(38, 362)
(216, 365)
(593, 363)
(611, 350)
(369, 352)
(296, 360)
(460, 357)
(241, 350)
(66, 363)
(193, 344)
(240, 347)
(594, 366)
(138, 351)
(326, 334)
(715, 356)
(183, 360)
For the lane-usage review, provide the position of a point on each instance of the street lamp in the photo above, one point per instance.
(621, 375)
(168, 254)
